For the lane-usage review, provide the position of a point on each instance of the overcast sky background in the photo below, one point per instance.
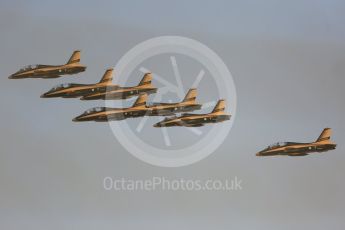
(287, 59)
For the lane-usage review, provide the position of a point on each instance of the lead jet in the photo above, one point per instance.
(51, 71)
(144, 86)
(197, 120)
(73, 90)
(165, 109)
(108, 114)
(322, 144)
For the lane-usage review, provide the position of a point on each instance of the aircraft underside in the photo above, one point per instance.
(126, 94)
(172, 110)
(304, 151)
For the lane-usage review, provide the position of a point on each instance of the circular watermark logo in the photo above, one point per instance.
(176, 64)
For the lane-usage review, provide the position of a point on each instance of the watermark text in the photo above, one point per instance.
(165, 184)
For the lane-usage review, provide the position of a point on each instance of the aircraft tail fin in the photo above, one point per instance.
(190, 96)
(220, 107)
(75, 58)
(325, 135)
(107, 76)
(146, 80)
(141, 100)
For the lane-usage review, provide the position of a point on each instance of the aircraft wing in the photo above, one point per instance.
(296, 149)
(163, 103)
(195, 125)
(297, 154)
(191, 122)
(52, 76)
(189, 115)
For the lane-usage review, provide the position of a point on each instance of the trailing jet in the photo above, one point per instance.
(108, 114)
(72, 90)
(197, 120)
(322, 144)
(164, 109)
(144, 86)
(51, 71)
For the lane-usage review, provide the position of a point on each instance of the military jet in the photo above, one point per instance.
(51, 71)
(144, 86)
(165, 109)
(322, 144)
(108, 114)
(73, 90)
(197, 120)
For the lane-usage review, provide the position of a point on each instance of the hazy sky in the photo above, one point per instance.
(288, 63)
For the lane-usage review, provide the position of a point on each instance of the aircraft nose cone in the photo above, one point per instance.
(157, 125)
(43, 95)
(258, 154)
(11, 77)
(79, 118)
(76, 119)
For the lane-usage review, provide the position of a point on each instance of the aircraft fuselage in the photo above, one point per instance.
(48, 71)
(297, 149)
(78, 90)
(120, 93)
(111, 114)
(166, 109)
(193, 120)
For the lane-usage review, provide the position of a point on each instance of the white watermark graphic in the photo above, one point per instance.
(165, 184)
(206, 68)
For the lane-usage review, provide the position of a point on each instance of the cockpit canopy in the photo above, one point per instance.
(64, 85)
(276, 145)
(29, 67)
(96, 109)
(60, 86)
(170, 118)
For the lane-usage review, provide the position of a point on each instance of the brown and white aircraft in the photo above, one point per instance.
(73, 90)
(140, 109)
(322, 144)
(108, 114)
(197, 120)
(165, 109)
(73, 66)
(144, 86)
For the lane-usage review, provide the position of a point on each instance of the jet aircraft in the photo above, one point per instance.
(165, 109)
(51, 71)
(197, 120)
(73, 90)
(108, 114)
(322, 144)
(144, 86)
